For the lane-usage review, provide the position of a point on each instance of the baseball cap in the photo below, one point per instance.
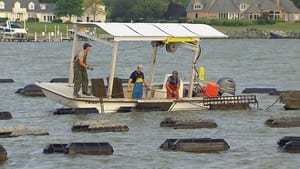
(86, 45)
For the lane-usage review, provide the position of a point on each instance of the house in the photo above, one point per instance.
(243, 9)
(22, 10)
(94, 13)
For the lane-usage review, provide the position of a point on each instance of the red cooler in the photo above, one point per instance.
(211, 89)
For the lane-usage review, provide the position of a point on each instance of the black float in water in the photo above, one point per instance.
(99, 126)
(103, 148)
(6, 80)
(62, 111)
(90, 148)
(31, 90)
(289, 144)
(5, 115)
(187, 123)
(283, 122)
(199, 145)
(6, 132)
(3, 154)
(260, 90)
(59, 80)
(55, 148)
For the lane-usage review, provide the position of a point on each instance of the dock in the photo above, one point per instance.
(35, 37)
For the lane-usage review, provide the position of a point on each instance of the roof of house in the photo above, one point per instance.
(268, 5)
(9, 4)
(206, 4)
(288, 6)
(49, 8)
(224, 6)
(253, 9)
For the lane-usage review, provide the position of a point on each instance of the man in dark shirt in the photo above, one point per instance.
(135, 83)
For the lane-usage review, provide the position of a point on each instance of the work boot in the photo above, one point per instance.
(87, 94)
(76, 94)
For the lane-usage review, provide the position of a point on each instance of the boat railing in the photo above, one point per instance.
(241, 99)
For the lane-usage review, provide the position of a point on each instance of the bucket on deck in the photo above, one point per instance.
(211, 89)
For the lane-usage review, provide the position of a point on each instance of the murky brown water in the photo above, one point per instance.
(251, 63)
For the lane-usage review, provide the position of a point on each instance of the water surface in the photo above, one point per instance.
(251, 63)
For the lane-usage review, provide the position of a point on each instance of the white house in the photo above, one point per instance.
(22, 10)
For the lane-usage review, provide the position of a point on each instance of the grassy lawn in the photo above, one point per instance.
(48, 27)
(288, 27)
(40, 27)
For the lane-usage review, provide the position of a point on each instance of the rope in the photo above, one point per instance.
(101, 105)
(257, 105)
(133, 48)
(178, 100)
(273, 104)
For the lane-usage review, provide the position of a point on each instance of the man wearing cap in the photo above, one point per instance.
(173, 84)
(135, 83)
(80, 74)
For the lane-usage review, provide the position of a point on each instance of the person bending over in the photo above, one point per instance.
(173, 84)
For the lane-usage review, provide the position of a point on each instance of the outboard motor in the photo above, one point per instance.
(226, 85)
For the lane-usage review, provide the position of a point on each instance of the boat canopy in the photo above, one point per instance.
(172, 35)
(154, 31)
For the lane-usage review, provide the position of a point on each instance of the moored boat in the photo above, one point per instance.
(171, 35)
(13, 29)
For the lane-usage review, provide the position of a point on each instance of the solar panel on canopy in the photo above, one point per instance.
(118, 29)
(156, 31)
(204, 31)
(147, 29)
(175, 30)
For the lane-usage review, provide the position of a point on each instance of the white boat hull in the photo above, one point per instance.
(62, 93)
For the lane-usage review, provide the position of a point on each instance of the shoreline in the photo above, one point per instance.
(232, 34)
(261, 34)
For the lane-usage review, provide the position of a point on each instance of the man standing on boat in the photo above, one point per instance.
(173, 84)
(135, 83)
(80, 74)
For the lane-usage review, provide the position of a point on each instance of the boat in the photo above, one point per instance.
(12, 28)
(171, 35)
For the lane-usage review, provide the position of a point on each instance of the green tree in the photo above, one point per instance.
(119, 9)
(297, 3)
(93, 7)
(126, 10)
(182, 2)
(148, 9)
(68, 8)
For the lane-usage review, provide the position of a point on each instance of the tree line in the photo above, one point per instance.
(120, 10)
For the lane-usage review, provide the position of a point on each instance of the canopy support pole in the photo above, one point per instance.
(193, 72)
(74, 52)
(153, 65)
(112, 69)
